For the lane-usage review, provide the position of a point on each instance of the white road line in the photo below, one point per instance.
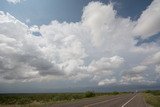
(128, 101)
(89, 105)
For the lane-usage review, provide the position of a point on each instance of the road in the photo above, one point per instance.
(125, 100)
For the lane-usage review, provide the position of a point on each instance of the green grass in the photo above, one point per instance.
(21, 99)
(46, 98)
(152, 98)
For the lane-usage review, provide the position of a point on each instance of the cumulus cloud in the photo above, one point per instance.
(107, 82)
(22, 57)
(149, 24)
(106, 64)
(57, 52)
(134, 80)
(139, 69)
(106, 27)
(154, 58)
(135, 75)
(104, 68)
(101, 47)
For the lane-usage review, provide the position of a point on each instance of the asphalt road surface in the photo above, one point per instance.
(125, 100)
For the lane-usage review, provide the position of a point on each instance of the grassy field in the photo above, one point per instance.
(152, 97)
(37, 99)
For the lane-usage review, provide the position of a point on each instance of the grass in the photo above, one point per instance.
(40, 99)
(152, 97)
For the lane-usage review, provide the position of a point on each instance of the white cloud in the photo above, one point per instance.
(101, 48)
(14, 1)
(154, 58)
(149, 22)
(146, 48)
(22, 56)
(104, 68)
(136, 75)
(139, 68)
(134, 80)
(107, 82)
(107, 27)
(106, 64)
(100, 19)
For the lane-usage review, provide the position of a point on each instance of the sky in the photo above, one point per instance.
(61, 44)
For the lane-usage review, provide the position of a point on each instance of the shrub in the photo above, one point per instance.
(89, 94)
(115, 93)
(148, 91)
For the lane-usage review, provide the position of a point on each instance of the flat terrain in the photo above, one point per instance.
(152, 97)
(125, 100)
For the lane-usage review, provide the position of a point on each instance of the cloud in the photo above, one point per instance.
(157, 69)
(57, 52)
(22, 54)
(146, 48)
(99, 49)
(106, 64)
(14, 1)
(139, 69)
(107, 82)
(154, 58)
(28, 21)
(108, 27)
(149, 24)
(134, 80)
(104, 68)
(137, 75)
(100, 19)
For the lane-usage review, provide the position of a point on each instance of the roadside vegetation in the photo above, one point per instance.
(152, 97)
(46, 98)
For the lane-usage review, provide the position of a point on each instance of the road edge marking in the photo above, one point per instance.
(102, 102)
(129, 101)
